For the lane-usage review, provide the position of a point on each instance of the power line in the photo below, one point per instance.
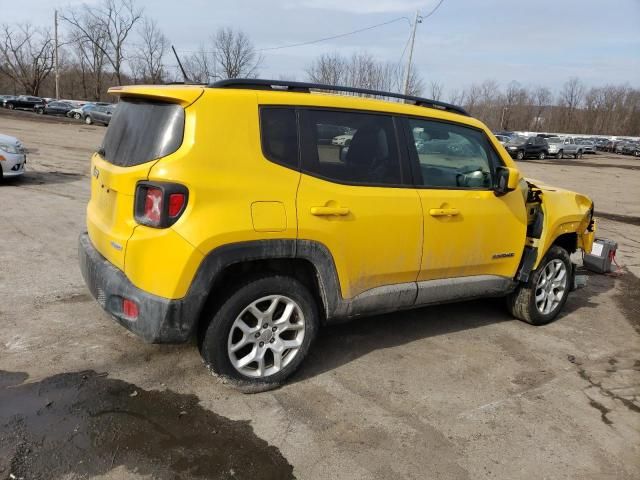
(311, 42)
(333, 37)
(433, 11)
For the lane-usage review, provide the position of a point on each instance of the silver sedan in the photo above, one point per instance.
(12, 157)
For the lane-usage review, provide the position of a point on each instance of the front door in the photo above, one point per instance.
(468, 230)
(355, 198)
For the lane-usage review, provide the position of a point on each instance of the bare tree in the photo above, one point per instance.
(114, 20)
(542, 99)
(26, 56)
(571, 96)
(235, 55)
(200, 66)
(361, 70)
(328, 68)
(89, 44)
(147, 62)
(435, 90)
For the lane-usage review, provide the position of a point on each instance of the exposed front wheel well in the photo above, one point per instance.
(235, 275)
(568, 241)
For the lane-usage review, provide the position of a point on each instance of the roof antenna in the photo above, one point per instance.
(184, 74)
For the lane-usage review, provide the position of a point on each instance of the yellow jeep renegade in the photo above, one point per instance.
(248, 213)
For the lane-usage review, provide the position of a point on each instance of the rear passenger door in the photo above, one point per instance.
(468, 230)
(355, 197)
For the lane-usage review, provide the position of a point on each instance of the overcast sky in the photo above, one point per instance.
(536, 43)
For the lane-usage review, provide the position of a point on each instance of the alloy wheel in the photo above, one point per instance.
(551, 287)
(266, 336)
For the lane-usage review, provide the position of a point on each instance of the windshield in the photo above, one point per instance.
(518, 139)
(141, 131)
(554, 140)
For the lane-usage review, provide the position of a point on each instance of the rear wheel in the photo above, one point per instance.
(578, 154)
(261, 334)
(542, 156)
(539, 301)
(88, 120)
(40, 111)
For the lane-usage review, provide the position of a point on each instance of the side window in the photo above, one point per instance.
(279, 135)
(452, 156)
(349, 147)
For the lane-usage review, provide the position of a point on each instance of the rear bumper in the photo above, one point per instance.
(160, 320)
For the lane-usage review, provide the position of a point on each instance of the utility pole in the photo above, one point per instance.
(55, 54)
(407, 74)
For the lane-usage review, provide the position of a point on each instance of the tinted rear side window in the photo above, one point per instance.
(280, 135)
(349, 147)
(141, 131)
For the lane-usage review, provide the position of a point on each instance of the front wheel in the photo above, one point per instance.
(560, 155)
(11, 106)
(520, 155)
(578, 154)
(539, 301)
(261, 333)
(77, 116)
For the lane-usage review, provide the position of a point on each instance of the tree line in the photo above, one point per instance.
(114, 42)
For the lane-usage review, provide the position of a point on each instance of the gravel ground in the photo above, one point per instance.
(455, 391)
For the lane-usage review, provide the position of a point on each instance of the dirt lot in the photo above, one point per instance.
(457, 391)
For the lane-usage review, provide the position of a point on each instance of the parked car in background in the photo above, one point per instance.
(342, 140)
(99, 114)
(5, 97)
(12, 157)
(633, 149)
(601, 143)
(520, 147)
(54, 108)
(565, 147)
(588, 146)
(78, 112)
(24, 102)
(503, 139)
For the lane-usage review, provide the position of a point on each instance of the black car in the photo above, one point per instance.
(631, 148)
(99, 114)
(24, 102)
(520, 147)
(54, 108)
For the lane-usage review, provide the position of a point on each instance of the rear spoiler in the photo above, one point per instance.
(185, 95)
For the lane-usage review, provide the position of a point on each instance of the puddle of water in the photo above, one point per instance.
(84, 424)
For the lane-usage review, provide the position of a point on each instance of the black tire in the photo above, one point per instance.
(542, 156)
(522, 302)
(77, 116)
(578, 154)
(40, 111)
(520, 155)
(11, 106)
(213, 341)
(88, 120)
(560, 155)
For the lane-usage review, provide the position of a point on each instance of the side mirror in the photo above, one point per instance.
(507, 179)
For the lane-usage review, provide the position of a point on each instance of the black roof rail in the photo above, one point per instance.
(186, 83)
(304, 87)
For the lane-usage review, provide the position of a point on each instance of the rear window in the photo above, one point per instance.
(141, 131)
